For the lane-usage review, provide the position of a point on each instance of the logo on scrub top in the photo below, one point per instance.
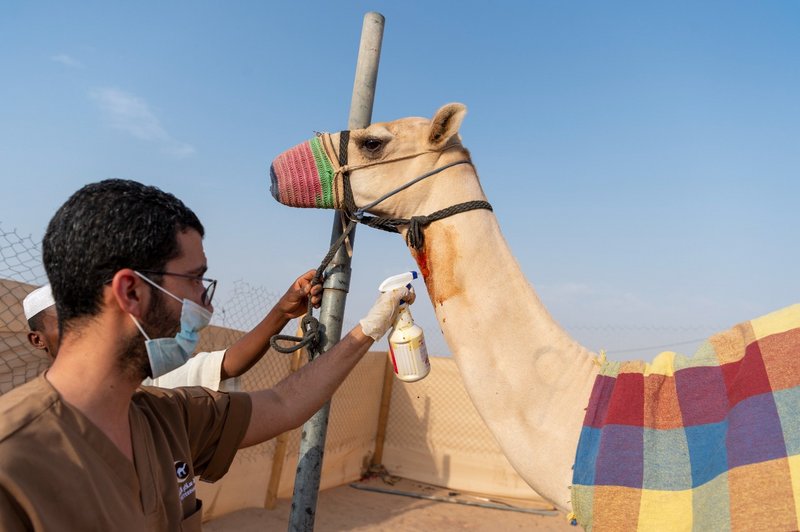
(182, 470)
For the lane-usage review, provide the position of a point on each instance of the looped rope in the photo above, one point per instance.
(309, 340)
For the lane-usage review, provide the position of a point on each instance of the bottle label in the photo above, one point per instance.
(410, 358)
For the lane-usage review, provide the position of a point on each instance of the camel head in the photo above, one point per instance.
(366, 170)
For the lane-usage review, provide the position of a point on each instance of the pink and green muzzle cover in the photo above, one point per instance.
(305, 176)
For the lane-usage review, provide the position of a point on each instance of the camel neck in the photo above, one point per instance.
(471, 274)
(508, 348)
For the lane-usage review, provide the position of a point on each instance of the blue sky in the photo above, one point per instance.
(642, 157)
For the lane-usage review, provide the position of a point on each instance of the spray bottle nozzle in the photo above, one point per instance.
(398, 281)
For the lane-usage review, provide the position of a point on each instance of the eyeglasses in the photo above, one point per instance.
(210, 284)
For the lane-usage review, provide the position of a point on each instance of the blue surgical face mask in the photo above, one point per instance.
(168, 354)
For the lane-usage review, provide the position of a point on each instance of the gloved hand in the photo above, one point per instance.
(383, 313)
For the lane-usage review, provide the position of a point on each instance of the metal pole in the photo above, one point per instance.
(337, 284)
(282, 441)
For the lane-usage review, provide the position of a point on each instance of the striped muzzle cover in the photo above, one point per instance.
(305, 176)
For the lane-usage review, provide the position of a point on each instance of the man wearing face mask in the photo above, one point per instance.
(218, 370)
(84, 446)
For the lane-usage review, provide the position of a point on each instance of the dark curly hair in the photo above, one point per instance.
(103, 228)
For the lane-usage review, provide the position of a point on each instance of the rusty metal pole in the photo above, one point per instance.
(337, 284)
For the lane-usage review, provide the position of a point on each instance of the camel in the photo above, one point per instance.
(529, 380)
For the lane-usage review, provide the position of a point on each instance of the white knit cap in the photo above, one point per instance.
(37, 301)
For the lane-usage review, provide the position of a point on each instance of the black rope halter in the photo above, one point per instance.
(415, 237)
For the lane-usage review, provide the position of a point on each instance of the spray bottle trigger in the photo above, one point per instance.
(396, 281)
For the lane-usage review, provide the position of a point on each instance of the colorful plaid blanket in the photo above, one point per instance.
(709, 442)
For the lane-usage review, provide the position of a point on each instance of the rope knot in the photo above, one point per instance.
(310, 326)
(310, 339)
(415, 236)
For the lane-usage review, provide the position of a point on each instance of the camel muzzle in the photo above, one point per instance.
(305, 176)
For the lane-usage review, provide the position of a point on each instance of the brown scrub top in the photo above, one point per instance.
(58, 471)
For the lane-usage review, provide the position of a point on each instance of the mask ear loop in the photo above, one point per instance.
(170, 294)
(141, 330)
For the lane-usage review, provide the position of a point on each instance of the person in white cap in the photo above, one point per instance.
(40, 311)
(217, 370)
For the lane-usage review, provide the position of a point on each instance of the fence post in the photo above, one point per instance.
(337, 284)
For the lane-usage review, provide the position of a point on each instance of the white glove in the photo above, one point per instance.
(383, 313)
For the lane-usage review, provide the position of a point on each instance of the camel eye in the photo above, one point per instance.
(372, 144)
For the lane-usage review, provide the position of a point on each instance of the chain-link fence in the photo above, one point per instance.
(20, 272)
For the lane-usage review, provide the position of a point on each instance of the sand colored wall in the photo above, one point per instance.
(435, 435)
(349, 444)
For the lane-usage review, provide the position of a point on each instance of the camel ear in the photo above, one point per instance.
(446, 122)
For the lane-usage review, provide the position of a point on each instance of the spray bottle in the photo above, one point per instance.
(406, 340)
